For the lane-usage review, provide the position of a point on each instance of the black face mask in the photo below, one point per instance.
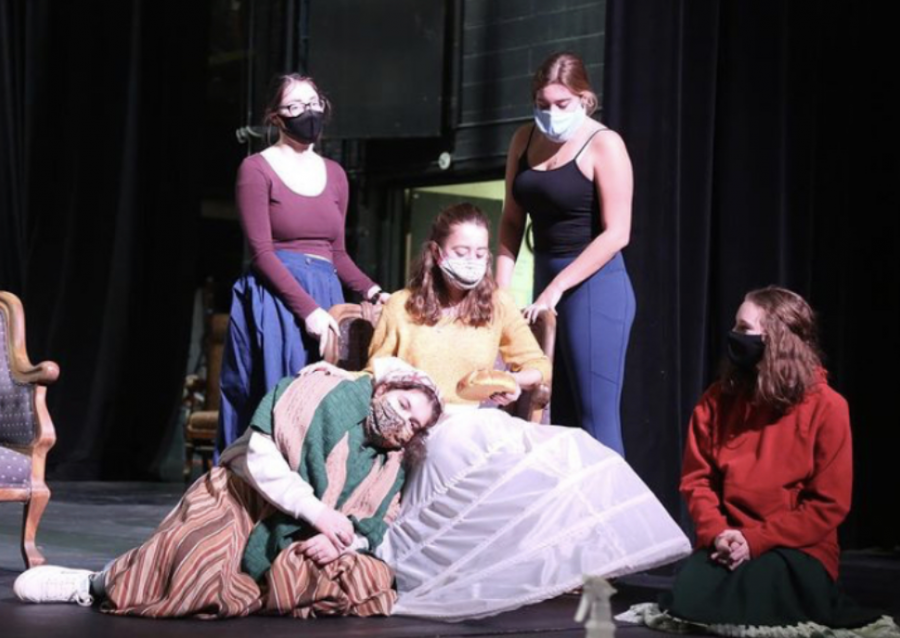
(306, 127)
(744, 350)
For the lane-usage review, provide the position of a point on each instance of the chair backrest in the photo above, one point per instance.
(217, 329)
(357, 325)
(17, 422)
(24, 420)
(544, 329)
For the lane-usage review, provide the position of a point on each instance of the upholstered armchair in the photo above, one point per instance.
(357, 325)
(26, 431)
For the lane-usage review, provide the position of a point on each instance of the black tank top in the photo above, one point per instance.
(562, 202)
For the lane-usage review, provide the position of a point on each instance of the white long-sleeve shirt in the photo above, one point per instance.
(255, 458)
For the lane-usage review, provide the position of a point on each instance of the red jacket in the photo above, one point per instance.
(783, 482)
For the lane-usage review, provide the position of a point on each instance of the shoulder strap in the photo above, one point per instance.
(523, 158)
(588, 141)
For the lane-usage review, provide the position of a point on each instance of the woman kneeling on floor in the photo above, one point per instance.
(767, 477)
(284, 524)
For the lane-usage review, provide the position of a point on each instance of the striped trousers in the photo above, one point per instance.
(191, 566)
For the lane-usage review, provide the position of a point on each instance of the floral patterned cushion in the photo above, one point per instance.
(15, 468)
(16, 399)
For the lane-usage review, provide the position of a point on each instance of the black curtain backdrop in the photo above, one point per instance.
(764, 145)
(100, 110)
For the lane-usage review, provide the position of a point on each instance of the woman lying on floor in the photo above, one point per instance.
(767, 477)
(283, 525)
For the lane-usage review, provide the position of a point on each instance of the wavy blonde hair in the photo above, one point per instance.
(792, 360)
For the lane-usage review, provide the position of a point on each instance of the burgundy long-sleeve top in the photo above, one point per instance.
(276, 218)
(782, 481)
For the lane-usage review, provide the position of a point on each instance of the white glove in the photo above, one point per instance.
(323, 327)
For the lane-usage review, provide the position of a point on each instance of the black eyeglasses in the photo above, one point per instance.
(296, 108)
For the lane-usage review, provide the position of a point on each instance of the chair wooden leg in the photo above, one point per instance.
(207, 461)
(188, 462)
(31, 518)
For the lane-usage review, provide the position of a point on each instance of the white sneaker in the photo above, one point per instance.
(49, 584)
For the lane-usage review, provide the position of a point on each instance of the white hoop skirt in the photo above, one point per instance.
(503, 513)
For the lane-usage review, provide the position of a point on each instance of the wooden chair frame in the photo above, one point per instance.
(201, 423)
(36, 495)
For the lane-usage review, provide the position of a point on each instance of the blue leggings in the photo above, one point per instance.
(593, 325)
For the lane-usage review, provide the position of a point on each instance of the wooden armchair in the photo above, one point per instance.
(357, 325)
(26, 431)
(203, 398)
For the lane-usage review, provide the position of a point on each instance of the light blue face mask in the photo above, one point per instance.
(559, 126)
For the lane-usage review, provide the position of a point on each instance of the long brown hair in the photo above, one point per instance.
(792, 360)
(567, 69)
(428, 290)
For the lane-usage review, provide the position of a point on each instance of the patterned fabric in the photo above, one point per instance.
(191, 566)
(353, 585)
(649, 614)
(15, 469)
(16, 399)
(392, 372)
(315, 422)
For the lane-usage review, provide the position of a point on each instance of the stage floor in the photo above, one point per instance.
(89, 523)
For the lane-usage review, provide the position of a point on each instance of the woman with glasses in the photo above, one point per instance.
(292, 204)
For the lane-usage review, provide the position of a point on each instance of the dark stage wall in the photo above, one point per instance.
(764, 148)
(100, 108)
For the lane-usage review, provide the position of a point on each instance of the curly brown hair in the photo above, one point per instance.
(792, 360)
(428, 289)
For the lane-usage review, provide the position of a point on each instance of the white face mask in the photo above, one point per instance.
(463, 272)
(559, 126)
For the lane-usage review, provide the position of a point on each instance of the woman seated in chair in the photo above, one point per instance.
(767, 477)
(501, 512)
(283, 524)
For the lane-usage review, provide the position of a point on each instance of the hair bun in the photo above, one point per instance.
(479, 385)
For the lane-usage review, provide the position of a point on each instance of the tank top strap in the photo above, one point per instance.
(588, 141)
(523, 158)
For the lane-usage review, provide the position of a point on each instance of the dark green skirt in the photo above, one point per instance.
(783, 587)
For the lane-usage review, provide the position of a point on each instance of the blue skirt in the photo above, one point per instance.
(266, 341)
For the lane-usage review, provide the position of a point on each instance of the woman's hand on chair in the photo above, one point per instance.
(505, 398)
(546, 301)
(375, 295)
(323, 327)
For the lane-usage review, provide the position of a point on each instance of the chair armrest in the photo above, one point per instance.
(540, 396)
(44, 373)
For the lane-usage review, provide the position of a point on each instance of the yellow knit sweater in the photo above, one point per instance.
(450, 349)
